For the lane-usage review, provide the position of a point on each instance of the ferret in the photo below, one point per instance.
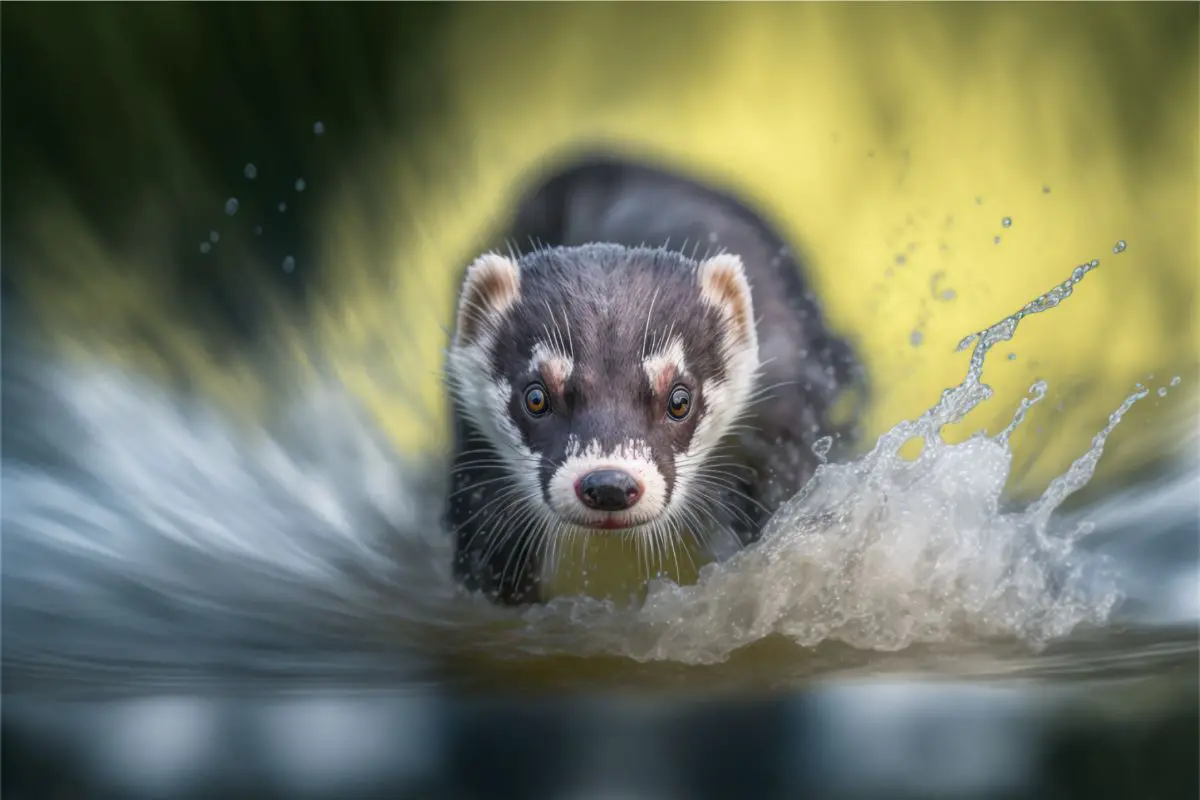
(652, 366)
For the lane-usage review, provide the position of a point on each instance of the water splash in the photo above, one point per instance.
(883, 553)
(144, 531)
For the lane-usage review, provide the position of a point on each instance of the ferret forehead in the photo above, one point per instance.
(555, 268)
(606, 283)
(610, 317)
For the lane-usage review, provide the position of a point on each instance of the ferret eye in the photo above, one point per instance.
(536, 401)
(679, 405)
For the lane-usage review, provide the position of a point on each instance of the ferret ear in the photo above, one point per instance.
(723, 285)
(491, 287)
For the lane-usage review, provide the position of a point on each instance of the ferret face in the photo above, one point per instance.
(603, 377)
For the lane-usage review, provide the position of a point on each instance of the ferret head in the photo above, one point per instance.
(603, 376)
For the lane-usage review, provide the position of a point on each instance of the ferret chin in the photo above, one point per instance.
(603, 386)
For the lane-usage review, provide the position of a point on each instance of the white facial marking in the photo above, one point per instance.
(492, 286)
(485, 402)
(552, 364)
(633, 457)
(723, 286)
(662, 365)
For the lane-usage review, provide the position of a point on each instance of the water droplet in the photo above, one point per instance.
(1006, 222)
(821, 447)
(996, 240)
(1162, 392)
(231, 206)
(205, 247)
(289, 264)
(1077, 274)
(1095, 262)
(251, 172)
(1119, 247)
(945, 294)
(214, 237)
(916, 338)
(1175, 381)
(300, 184)
(318, 127)
(1012, 356)
(282, 207)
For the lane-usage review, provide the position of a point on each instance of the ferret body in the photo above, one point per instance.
(653, 367)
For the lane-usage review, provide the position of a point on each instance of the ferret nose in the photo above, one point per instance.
(608, 490)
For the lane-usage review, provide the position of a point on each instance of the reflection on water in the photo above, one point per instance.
(885, 738)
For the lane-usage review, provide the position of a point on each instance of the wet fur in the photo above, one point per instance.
(612, 252)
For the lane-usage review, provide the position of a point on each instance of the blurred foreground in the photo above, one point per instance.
(891, 739)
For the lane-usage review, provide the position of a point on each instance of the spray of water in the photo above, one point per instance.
(142, 531)
(883, 552)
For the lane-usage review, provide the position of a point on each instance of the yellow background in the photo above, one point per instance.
(867, 132)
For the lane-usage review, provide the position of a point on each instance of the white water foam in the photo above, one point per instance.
(141, 531)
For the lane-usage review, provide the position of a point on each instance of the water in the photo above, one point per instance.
(199, 606)
(150, 541)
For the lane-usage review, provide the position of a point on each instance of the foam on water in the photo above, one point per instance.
(145, 532)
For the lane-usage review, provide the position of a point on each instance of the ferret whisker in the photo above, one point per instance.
(518, 491)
